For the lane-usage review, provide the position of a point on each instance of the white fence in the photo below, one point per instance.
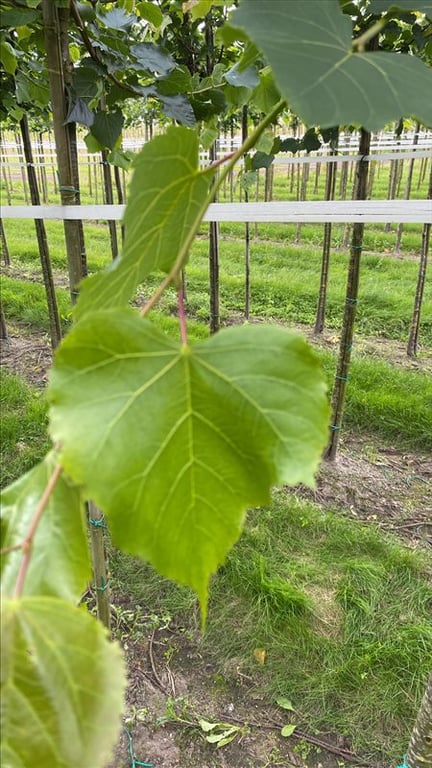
(340, 211)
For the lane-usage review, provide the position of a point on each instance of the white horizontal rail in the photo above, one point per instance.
(368, 211)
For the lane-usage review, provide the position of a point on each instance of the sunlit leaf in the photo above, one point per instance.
(381, 6)
(62, 686)
(174, 443)
(117, 18)
(288, 730)
(285, 703)
(150, 12)
(166, 199)
(309, 46)
(59, 564)
(247, 78)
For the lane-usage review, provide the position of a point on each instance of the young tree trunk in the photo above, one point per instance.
(303, 193)
(100, 573)
(109, 200)
(42, 168)
(347, 334)
(415, 320)
(4, 246)
(53, 313)
(21, 161)
(51, 28)
(420, 747)
(120, 196)
(4, 336)
(245, 115)
(329, 195)
(214, 263)
(407, 191)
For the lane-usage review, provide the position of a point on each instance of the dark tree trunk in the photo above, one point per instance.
(4, 246)
(415, 320)
(51, 28)
(245, 116)
(347, 334)
(329, 195)
(4, 336)
(407, 191)
(53, 313)
(120, 195)
(109, 200)
(214, 264)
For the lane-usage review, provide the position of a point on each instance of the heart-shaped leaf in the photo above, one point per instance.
(59, 565)
(309, 46)
(62, 686)
(174, 466)
(288, 730)
(167, 200)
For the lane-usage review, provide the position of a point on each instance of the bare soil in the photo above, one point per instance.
(376, 483)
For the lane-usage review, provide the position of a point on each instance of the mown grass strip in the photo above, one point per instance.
(342, 614)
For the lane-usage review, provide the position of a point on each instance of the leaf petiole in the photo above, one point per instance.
(26, 545)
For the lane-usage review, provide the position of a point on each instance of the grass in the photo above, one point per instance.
(284, 278)
(342, 613)
(382, 399)
(23, 427)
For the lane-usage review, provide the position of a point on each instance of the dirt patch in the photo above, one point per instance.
(173, 686)
(378, 484)
(27, 354)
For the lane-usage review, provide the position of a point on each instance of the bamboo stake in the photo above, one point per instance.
(4, 246)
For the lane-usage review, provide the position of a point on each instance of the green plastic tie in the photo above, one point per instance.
(342, 378)
(334, 427)
(69, 189)
(99, 523)
(351, 301)
(404, 764)
(134, 761)
(104, 585)
(356, 247)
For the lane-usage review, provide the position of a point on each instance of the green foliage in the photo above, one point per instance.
(173, 442)
(64, 685)
(60, 544)
(309, 46)
(168, 197)
(189, 443)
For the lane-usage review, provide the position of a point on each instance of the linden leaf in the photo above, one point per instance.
(174, 443)
(309, 46)
(62, 686)
(167, 199)
(59, 565)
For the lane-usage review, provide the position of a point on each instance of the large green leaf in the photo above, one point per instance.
(309, 46)
(166, 202)
(173, 443)
(59, 564)
(106, 127)
(62, 686)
